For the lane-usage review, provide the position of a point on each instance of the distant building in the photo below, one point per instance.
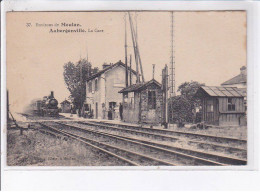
(142, 103)
(239, 81)
(102, 97)
(222, 106)
(65, 106)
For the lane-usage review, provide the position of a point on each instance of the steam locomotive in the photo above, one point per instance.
(48, 106)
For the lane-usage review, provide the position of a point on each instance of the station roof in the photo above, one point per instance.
(139, 86)
(241, 78)
(65, 102)
(216, 91)
(119, 63)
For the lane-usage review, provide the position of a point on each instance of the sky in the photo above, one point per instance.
(209, 47)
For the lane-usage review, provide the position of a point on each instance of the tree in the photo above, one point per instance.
(188, 90)
(75, 76)
(183, 106)
(181, 110)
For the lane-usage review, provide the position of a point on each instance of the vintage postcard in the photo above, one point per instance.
(126, 88)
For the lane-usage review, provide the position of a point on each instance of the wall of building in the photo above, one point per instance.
(151, 115)
(131, 108)
(220, 115)
(136, 108)
(115, 81)
(211, 117)
(231, 117)
(109, 84)
(65, 108)
(94, 97)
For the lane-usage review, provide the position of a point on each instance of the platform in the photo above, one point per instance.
(76, 117)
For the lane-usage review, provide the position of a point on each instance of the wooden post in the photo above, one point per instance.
(130, 70)
(126, 70)
(21, 131)
(153, 70)
(166, 96)
(7, 97)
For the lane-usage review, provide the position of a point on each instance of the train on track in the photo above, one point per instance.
(48, 106)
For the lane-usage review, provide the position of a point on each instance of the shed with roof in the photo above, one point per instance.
(65, 106)
(142, 103)
(222, 106)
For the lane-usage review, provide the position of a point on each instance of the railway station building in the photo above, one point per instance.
(65, 106)
(142, 103)
(223, 106)
(239, 81)
(102, 97)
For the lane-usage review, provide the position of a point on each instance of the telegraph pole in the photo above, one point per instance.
(153, 70)
(172, 68)
(172, 61)
(7, 97)
(135, 47)
(81, 86)
(130, 70)
(126, 70)
(165, 96)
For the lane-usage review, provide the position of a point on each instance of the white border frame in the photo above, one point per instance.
(253, 106)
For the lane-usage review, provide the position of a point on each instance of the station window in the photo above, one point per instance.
(96, 85)
(231, 104)
(209, 105)
(89, 87)
(151, 99)
(125, 97)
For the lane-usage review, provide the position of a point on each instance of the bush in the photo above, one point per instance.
(180, 110)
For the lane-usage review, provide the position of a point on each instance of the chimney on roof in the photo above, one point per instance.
(105, 65)
(52, 94)
(243, 70)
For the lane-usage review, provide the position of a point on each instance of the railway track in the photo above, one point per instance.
(199, 157)
(205, 142)
(173, 133)
(127, 156)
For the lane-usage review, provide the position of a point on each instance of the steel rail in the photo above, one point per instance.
(133, 140)
(89, 144)
(224, 159)
(84, 140)
(140, 128)
(234, 149)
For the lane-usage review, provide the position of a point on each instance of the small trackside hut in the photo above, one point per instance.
(65, 106)
(222, 106)
(142, 103)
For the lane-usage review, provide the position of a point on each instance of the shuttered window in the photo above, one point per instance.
(96, 85)
(90, 87)
(231, 104)
(209, 105)
(151, 99)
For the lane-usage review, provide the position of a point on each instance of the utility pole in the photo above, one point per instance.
(137, 50)
(81, 86)
(7, 97)
(172, 61)
(153, 70)
(126, 68)
(130, 70)
(172, 69)
(165, 96)
(134, 45)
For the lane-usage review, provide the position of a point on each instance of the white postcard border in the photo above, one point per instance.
(253, 106)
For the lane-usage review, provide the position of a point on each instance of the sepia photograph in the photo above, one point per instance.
(126, 88)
